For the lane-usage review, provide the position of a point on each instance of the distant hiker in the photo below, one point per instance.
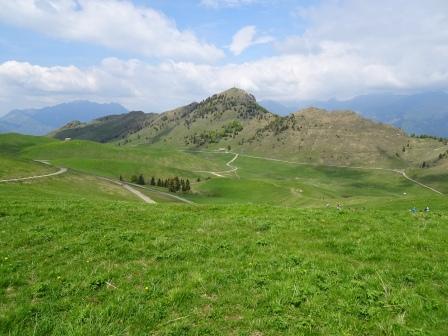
(427, 209)
(339, 207)
(413, 210)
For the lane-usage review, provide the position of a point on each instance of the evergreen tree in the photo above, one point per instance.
(121, 178)
(153, 181)
(134, 179)
(141, 180)
(171, 185)
(183, 185)
(176, 183)
(187, 185)
(159, 182)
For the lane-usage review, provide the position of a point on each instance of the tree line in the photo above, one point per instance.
(174, 184)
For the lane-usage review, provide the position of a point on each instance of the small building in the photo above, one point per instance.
(67, 139)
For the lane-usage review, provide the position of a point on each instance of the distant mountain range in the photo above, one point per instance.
(234, 119)
(422, 113)
(44, 120)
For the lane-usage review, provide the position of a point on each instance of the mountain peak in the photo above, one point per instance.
(238, 94)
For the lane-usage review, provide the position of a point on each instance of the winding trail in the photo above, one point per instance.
(402, 172)
(137, 193)
(61, 171)
(233, 169)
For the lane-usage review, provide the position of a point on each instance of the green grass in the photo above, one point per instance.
(71, 186)
(16, 168)
(11, 165)
(112, 268)
(111, 160)
(82, 256)
(257, 181)
(294, 185)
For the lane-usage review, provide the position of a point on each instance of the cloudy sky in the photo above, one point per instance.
(157, 54)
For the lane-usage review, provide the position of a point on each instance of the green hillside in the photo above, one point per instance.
(262, 251)
(234, 119)
(110, 128)
(249, 179)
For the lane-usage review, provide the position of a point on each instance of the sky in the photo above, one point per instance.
(154, 55)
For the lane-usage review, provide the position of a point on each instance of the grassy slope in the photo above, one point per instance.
(436, 176)
(111, 160)
(111, 268)
(81, 256)
(71, 186)
(262, 181)
(258, 181)
(11, 165)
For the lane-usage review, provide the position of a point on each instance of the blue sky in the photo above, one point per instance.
(157, 54)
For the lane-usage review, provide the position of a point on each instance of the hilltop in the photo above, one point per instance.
(420, 113)
(234, 119)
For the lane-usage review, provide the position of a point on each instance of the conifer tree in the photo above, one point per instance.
(182, 185)
(141, 180)
(153, 181)
(176, 183)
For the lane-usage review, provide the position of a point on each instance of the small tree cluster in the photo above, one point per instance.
(426, 136)
(174, 184)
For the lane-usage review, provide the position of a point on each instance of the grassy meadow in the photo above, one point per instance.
(115, 268)
(259, 253)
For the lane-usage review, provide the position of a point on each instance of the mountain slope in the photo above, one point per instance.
(220, 119)
(234, 119)
(110, 128)
(44, 120)
(422, 113)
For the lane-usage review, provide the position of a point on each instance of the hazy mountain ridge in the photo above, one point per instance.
(422, 113)
(44, 120)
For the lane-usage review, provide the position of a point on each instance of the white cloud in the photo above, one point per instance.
(245, 38)
(406, 36)
(227, 3)
(350, 48)
(114, 24)
(140, 85)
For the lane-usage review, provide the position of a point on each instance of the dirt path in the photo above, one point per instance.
(403, 173)
(61, 171)
(137, 193)
(184, 200)
(398, 171)
(233, 169)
